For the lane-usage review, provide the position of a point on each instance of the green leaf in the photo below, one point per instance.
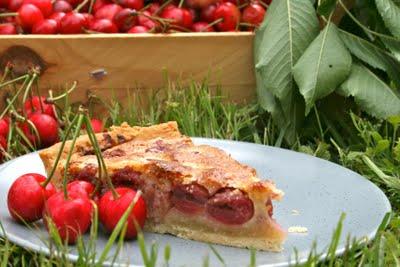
(323, 67)
(393, 45)
(390, 14)
(285, 33)
(371, 93)
(289, 28)
(372, 55)
(326, 7)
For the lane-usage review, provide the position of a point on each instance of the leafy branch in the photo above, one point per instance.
(298, 62)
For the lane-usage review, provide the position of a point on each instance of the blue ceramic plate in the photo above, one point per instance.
(317, 192)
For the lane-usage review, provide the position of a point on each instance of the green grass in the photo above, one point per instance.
(371, 148)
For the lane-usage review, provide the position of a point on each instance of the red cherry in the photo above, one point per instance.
(14, 5)
(44, 5)
(46, 126)
(188, 18)
(89, 18)
(73, 23)
(3, 3)
(47, 26)
(207, 13)
(111, 210)
(139, 29)
(3, 145)
(134, 4)
(62, 6)
(4, 127)
(57, 16)
(83, 188)
(145, 21)
(7, 28)
(97, 125)
(253, 14)
(27, 196)
(103, 25)
(230, 15)
(71, 216)
(202, 26)
(236, 2)
(98, 4)
(175, 14)
(108, 11)
(153, 8)
(74, 3)
(35, 104)
(200, 3)
(28, 15)
(125, 19)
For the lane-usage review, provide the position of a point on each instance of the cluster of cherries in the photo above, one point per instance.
(38, 122)
(129, 16)
(70, 211)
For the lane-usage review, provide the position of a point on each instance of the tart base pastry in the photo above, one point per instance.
(192, 191)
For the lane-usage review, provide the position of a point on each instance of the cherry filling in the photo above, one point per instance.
(88, 173)
(190, 198)
(270, 208)
(230, 206)
(127, 177)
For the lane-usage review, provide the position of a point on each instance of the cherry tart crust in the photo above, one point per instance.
(192, 191)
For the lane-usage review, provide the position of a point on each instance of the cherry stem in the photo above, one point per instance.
(244, 5)
(99, 156)
(181, 3)
(214, 23)
(51, 100)
(14, 80)
(11, 103)
(38, 94)
(81, 5)
(10, 14)
(31, 125)
(248, 24)
(81, 118)
(53, 106)
(60, 152)
(5, 74)
(23, 136)
(166, 3)
(28, 89)
(263, 4)
(91, 6)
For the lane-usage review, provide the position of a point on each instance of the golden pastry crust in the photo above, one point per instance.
(115, 136)
(158, 159)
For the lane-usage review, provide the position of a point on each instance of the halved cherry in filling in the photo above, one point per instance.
(189, 198)
(230, 206)
(270, 208)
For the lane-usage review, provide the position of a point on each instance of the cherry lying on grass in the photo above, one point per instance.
(46, 126)
(4, 126)
(38, 104)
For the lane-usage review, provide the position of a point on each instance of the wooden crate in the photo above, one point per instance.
(136, 61)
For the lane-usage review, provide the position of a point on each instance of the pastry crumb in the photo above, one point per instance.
(295, 212)
(298, 229)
